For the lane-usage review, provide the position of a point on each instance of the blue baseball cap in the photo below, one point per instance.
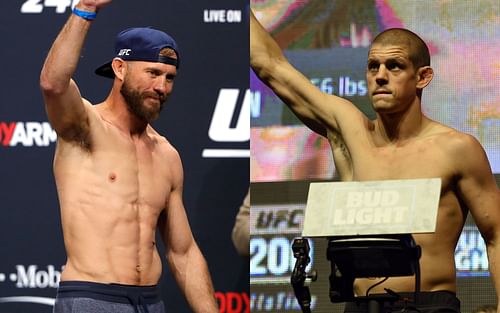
(141, 44)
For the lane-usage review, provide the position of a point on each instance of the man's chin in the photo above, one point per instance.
(152, 116)
(383, 107)
(151, 104)
(147, 116)
(152, 111)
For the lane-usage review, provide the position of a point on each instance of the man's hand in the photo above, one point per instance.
(93, 5)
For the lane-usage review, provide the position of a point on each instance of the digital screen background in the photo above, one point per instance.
(328, 42)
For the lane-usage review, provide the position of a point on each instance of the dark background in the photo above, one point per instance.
(214, 56)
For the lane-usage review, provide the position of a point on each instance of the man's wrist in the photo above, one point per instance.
(86, 12)
(88, 15)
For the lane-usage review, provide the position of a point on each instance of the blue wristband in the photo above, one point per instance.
(89, 16)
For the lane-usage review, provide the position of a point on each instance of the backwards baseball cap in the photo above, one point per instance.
(141, 44)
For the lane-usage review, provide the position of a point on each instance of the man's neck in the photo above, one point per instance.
(399, 127)
(118, 114)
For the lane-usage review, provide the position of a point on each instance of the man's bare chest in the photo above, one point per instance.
(374, 168)
(367, 161)
(147, 171)
(119, 167)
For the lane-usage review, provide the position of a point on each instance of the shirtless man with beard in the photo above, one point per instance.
(118, 180)
(400, 143)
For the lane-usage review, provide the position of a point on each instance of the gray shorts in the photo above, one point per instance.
(90, 297)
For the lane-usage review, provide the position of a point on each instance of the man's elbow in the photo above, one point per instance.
(241, 243)
(181, 249)
(491, 236)
(51, 86)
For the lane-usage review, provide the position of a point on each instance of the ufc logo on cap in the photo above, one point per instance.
(124, 52)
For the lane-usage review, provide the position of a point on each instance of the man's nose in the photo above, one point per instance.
(381, 78)
(161, 85)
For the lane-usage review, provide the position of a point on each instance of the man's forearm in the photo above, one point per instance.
(64, 54)
(493, 257)
(263, 48)
(191, 273)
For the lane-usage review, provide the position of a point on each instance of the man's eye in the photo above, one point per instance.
(373, 67)
(394, 66)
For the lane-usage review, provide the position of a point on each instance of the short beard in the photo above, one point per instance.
(135, 102)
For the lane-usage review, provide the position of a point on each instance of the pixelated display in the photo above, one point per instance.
(328, 42)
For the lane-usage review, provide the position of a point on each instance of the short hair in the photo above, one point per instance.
(418, 52)
(168, 52)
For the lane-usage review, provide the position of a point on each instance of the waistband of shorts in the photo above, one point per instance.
(438, 298)
(118, 293)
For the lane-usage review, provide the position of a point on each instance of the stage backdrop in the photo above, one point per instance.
(328, 41)
(201, 119)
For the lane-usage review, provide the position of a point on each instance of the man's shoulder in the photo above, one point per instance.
(458, 145)
(161, 141)
(459, 140)
(449, 136)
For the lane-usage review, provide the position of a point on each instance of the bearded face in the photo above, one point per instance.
(145, 105)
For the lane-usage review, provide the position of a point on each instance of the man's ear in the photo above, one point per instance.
(119, 68)
(424, 76)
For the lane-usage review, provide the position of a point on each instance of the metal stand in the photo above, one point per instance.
(301, 250)
(371, 256)
(358, 257)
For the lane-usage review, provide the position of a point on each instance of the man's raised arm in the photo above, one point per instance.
(317, 110)
(63, 102)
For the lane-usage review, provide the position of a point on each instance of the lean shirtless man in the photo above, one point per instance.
(401, 143)
(117, 179)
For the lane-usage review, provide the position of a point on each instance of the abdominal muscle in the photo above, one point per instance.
(108, 225)
(104, 246)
